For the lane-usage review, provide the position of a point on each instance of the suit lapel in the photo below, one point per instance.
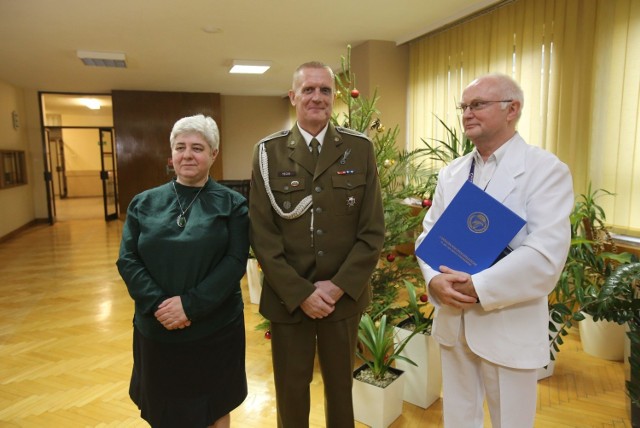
(459, 174)
(503, 181)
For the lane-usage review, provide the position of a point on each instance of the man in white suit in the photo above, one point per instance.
(493, 326)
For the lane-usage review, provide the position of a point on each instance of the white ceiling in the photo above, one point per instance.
(167, 49)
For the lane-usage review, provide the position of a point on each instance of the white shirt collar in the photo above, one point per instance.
(320, 137)
(497, 155)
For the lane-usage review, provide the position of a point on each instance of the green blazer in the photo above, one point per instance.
(348, 221)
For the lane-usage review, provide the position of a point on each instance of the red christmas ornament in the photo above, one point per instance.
(426, 203)
(391, 257)
(267, 334)
(355, 93)
(424, 298)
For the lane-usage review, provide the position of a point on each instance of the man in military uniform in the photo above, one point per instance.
(317, 229)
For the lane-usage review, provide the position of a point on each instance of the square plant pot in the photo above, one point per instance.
(423, 383)
(254, 280)
(375, 406)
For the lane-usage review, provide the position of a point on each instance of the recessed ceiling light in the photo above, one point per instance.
(102, 59)
(249, 67)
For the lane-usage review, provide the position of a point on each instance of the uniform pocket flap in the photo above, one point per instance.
(350, 181)
(286, 184)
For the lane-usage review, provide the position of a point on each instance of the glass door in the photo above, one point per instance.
(108, 174)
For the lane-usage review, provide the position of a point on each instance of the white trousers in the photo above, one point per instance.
(511, 393)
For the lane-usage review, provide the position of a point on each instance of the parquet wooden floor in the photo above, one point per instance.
(65, 346)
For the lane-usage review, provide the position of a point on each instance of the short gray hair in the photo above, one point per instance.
(203, 125)
(313, 64)
(509, 89)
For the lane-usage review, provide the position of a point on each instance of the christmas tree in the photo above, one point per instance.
(407, 183)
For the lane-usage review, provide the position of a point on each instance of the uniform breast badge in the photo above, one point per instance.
(345, 155)
(351, 201)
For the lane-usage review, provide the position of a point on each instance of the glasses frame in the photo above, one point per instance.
(479, 105)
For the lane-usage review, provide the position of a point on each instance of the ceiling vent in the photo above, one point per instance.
(103, 59)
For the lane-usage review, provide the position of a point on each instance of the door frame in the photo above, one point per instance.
(108, 174)
(45, 128)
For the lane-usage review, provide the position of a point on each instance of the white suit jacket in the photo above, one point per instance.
(509, 326)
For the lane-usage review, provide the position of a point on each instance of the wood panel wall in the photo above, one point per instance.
(142, 121)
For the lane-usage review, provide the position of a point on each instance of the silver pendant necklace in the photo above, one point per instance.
(181, 221)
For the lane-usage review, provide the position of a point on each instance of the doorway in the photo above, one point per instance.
(79, 151)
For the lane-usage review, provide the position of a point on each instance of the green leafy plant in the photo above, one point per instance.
(619, 301)
(454, 146)
(619, 297)
(591, 259)
(379, 349)
(416, 318)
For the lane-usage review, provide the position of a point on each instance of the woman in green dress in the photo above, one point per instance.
(183, 252)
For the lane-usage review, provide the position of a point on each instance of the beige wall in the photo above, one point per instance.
(384, 66)
(81, 149)
(16, 203)
(82, 162)
(245, 121)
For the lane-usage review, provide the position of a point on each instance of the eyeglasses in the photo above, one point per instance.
(478, 105)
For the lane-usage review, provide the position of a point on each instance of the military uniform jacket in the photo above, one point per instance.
(348, 221)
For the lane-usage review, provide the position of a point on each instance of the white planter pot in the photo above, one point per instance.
(375, 406)
(545, 372)
(602, 339)
(254, 280)
(423, 382)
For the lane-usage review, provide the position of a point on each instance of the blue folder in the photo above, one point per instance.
(472, 233)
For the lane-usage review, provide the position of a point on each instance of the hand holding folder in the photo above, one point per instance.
(472, 232)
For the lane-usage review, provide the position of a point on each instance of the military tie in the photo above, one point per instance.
(315, 148)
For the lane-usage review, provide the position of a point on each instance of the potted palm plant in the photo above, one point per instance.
(423, 381)
(377, 385)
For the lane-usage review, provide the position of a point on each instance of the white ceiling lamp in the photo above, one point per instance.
(249, 67)
(103, 59)
(90, 103)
